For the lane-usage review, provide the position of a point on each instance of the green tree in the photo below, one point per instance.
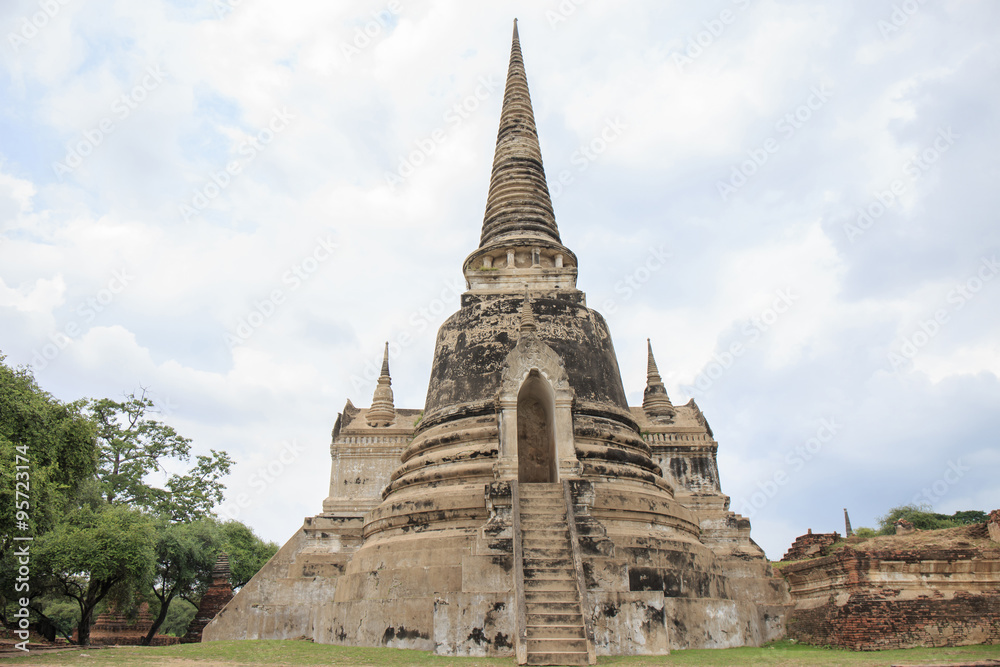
(969, 517)
(923, 518)
(246, 551)
(95, 551)
(179, 618)
(185, 555)
(133, 445)
(56, 443)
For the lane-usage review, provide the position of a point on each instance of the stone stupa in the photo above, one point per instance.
(527, 510)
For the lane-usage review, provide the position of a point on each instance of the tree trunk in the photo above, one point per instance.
(83, 630)
(162, 616)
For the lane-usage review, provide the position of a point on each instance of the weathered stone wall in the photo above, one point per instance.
(281, 600)
(897, 599)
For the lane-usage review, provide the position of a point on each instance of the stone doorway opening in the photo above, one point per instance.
(536, 442)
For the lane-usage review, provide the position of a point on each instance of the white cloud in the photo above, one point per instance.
(398, 252)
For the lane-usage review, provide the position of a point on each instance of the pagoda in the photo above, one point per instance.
(527, 510)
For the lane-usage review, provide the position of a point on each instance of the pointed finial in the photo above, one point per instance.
(383, 411)
(527, 317)
(847, 524)
(651, 369)
(518, 203)
(655, 402)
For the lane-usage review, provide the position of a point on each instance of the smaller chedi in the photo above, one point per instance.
(527, 509)
(214, 599)
(112, 628)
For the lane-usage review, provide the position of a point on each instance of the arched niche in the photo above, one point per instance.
(536, 438)
(535, 380)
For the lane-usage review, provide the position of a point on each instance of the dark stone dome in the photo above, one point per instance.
(473, 343)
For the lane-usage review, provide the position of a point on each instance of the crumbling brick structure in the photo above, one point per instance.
(810, 545)
(114, 629)
(885, 598)
(215, 598)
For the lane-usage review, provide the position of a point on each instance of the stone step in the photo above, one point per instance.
(556, 525)
(549, 573)
(569, 631)
(537, 529)
(552, 608)
(551, 596)
(542, 539)
(547, 519)
(557, 645)
(530, 488)
(556, 632)
(544, 620)
(564, 561)
(575, 658)
(544, 552)
(550, 584)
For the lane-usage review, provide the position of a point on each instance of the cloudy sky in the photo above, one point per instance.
(234, 203)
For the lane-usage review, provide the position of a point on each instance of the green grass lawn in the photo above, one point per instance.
(275, 653)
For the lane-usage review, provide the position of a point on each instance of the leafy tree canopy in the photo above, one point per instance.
(247, 553)
(923, 519)
(133, 445)
(95, 551)
(54, 439)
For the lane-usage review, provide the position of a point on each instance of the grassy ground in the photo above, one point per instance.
(276, 653)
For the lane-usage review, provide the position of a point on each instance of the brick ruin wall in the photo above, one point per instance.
(896, 599)
(809, 545)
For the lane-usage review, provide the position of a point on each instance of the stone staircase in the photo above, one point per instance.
(555, 629)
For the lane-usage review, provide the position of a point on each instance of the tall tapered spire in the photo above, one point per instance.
(655, 402)
(520, 240)
(518, 203)
(382, 412)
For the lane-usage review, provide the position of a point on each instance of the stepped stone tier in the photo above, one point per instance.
(527, 510)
